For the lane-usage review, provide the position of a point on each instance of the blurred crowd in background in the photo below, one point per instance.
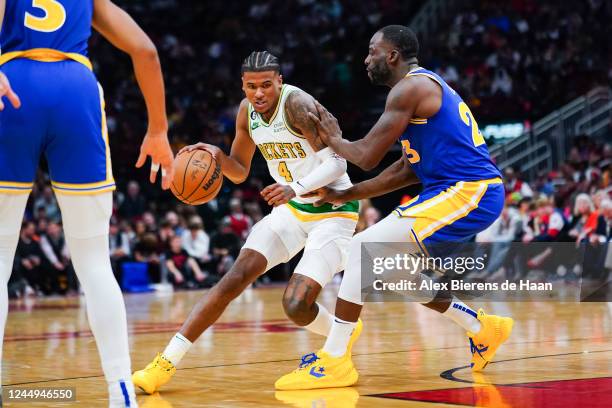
(516, 60)
(572, 204)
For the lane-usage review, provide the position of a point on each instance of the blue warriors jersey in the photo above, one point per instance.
(462, 189)
(62, 25)
(447, 147)
(44, 55)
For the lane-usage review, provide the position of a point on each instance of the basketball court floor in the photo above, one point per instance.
(560, 355)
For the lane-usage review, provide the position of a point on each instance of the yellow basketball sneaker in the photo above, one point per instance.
(320, 370)
(155, 401)
(153, 376)
(483, 346)
(354, 336)
(328, 398)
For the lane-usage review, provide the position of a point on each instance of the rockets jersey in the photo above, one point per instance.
(447, 147)
(288, 154)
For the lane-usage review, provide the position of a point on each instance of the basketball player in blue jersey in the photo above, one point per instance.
(462, 195)
(44, 56)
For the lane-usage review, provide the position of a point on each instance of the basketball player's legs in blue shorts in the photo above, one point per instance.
(62, 117)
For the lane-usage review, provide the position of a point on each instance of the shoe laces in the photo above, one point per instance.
(161, 362)
(307, 360)
(474, 348)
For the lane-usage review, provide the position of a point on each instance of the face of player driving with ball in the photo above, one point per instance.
(262, 89)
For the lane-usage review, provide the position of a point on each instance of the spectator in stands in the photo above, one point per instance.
(120, 251)
(41, 225)
(603, 230)
(225, 245)
(239, 222)
(29, 256)
(526, 212)
(598, 198)
(146, 250)
(165, 235)
(60, 277)
(253, 210)
(505, 230)
(47, 202)
(584, 219)
(368, 215)
(134, 203)
(196, 241)
(514, 184)
(549, 221)
(184, 271)
(149, 221)
(174, 222)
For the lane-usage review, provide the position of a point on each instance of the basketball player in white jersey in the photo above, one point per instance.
(274, 119)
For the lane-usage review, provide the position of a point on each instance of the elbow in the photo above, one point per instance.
(146, 50)
(341, 167)
(368, 163)
(239, 179)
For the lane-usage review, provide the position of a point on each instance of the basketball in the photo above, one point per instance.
(197, 177)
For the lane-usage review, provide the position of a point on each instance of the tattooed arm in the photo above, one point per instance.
(331, 167)
(297, 106)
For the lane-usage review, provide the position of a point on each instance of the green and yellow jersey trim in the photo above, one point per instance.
(308, 212)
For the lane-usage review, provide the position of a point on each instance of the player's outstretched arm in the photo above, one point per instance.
(397, 175)
(6, 90)
(369, 151)
(332, 167)
(123, 32)
(237, 165)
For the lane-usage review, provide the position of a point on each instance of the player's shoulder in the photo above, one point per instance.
(297, 97)
(419, 84)
(411, 89)
(243, 113)
(244, 104)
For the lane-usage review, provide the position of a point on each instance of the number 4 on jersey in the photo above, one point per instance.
(284, 172)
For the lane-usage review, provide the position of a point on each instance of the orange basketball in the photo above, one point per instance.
(197, 177)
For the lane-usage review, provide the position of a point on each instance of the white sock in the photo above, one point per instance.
(463, 315)
(176, 349)
(322, 323)
(339, 336)
(121, 394)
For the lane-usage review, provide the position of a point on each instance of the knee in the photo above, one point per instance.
(297, 309)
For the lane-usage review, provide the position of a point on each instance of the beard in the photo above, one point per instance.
(380, 74)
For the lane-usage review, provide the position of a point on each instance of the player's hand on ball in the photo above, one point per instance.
(327, 125)
(277, 194)
(216, 153)
(327, 195)
(6, 90)
(156, 145)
